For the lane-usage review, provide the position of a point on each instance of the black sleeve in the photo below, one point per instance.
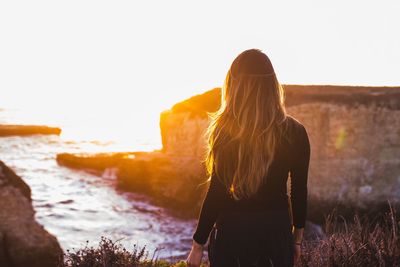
(209, 210)
(299, 177)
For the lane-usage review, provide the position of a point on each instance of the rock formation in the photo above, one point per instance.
(355, 143)
(10, 129)
(355, 150)
(23, 241)
(172, 182)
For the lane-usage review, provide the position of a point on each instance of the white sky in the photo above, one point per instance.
(143, 56)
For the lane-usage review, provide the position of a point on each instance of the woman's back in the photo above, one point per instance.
(253, 145)
(273, 192)
(292, 157)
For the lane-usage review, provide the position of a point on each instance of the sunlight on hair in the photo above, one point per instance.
(242, 138)
(232, 189)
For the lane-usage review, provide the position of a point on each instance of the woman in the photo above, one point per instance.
(253, 146)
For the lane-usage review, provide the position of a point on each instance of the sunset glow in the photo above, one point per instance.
(109, 132)
(106, 71)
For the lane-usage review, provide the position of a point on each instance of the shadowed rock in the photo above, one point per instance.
(173, 182)
(23, 241)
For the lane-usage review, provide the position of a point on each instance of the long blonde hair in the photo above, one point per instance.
(244, 133)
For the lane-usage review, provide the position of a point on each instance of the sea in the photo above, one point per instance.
(79, 207)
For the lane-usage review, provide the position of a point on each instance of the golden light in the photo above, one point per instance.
(341, 138)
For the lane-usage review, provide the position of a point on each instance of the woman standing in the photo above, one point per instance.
(253, 146)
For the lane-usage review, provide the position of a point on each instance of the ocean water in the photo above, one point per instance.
(77, 206)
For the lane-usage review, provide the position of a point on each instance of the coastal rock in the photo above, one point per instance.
(23, 241)
(355, 156)
(354, 136)
(177, 183)
(183, 126)
(21, 130)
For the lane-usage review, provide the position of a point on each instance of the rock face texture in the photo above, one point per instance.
(354, 135)
(356, 150)
(23, 241)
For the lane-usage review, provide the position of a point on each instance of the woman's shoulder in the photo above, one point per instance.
(293, 123)
(295, 127)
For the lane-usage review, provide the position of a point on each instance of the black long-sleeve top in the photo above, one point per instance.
(292, 157)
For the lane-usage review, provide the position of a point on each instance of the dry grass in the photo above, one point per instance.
(359, 243)
(362, 242)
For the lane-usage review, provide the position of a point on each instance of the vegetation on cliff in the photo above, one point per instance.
(362, 242)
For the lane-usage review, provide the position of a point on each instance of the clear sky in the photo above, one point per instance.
(133, 59)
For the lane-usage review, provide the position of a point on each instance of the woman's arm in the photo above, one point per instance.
(209, 211)
(298, 178)
(297, 234)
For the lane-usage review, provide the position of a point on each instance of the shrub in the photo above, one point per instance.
(363, 242)
(113, 254)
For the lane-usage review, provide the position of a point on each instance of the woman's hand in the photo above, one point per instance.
(297, 238)
(195, 255)
(297, 252)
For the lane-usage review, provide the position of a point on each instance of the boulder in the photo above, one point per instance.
(23, 241)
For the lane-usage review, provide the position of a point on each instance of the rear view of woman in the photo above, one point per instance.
(253, 146)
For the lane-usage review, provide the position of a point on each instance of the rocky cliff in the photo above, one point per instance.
(355, 151)
(23, 241)
(354, 135)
